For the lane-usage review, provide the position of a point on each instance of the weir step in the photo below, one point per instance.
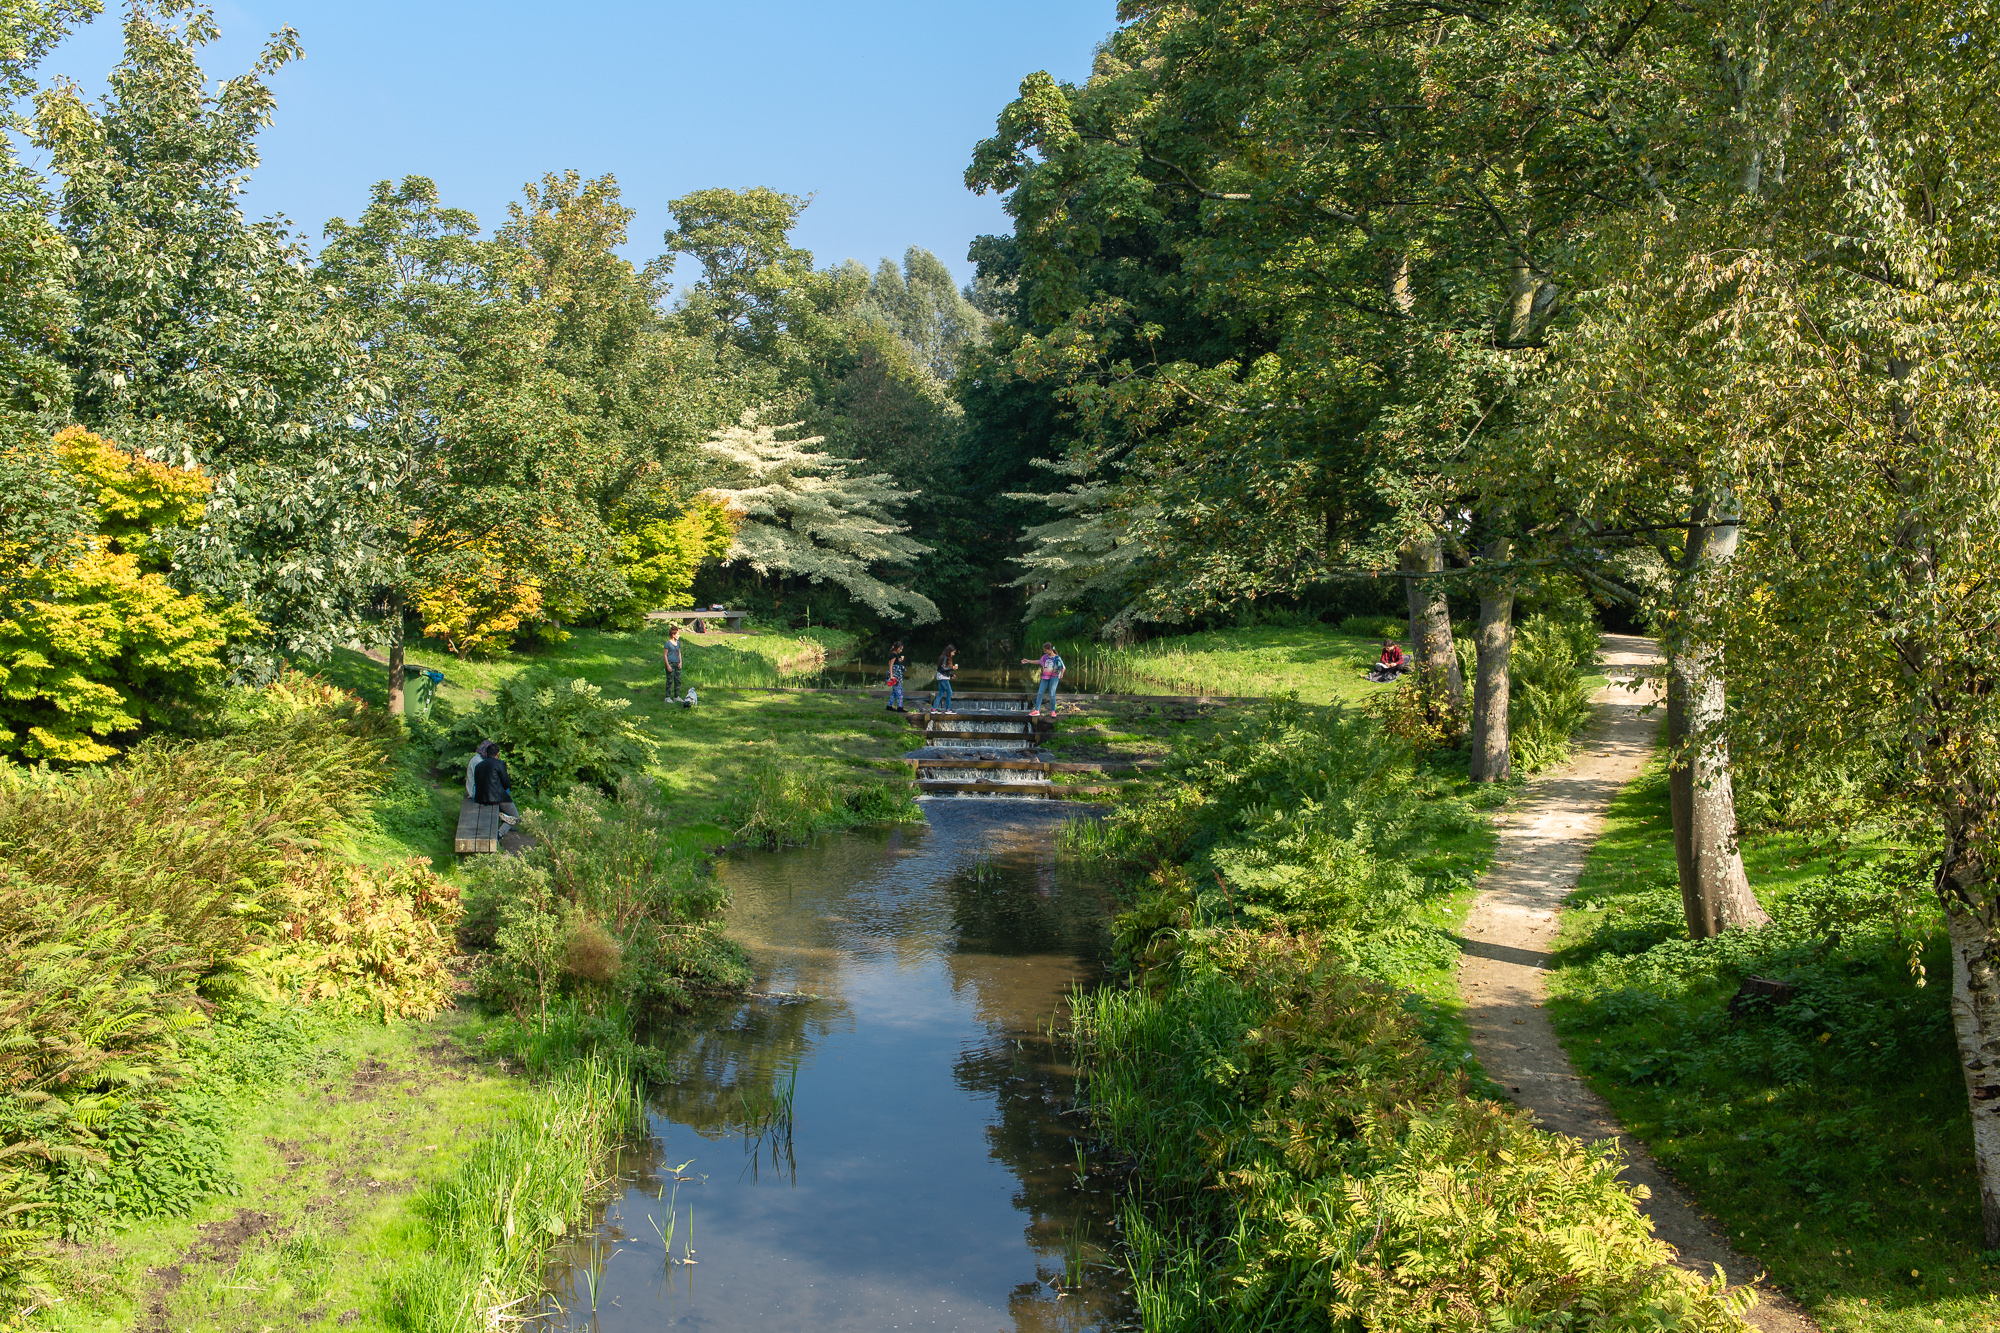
(1042, 790)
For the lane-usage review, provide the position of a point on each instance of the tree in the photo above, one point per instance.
(921, 304)
(101, 644)
(662, 542)
(1848, 311)
(36, 309)
(805, 514)
(198, 335)
(470, 452)
(1371, 208)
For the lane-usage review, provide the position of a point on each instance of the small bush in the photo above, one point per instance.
(1547, 700)
(365, 940)
(202, 834)
(1375, 627)
(784, 805)
(136, 903)
(609, 904)
(553, 733)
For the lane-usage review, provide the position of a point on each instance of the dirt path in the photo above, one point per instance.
(1543, 845)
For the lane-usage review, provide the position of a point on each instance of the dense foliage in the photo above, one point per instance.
(611, 906)
(151, 916)
(1310, 1128)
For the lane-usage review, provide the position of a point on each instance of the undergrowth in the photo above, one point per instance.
(1286, 1068)
(609, 904)
(163, 922)
(1326, 1168)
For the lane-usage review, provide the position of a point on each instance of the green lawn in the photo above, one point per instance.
(1830, 1135)
(707, 755)
(1320, 664)
(325, 1167)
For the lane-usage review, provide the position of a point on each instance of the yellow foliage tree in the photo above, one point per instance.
(659, 554)
(102, 644)
(477, 598)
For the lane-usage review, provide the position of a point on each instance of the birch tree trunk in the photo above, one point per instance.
(1430, 621)
(1965, 888)
(1495, 642)
(1714, 890)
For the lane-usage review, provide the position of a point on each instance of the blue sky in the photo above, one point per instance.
(872, 108)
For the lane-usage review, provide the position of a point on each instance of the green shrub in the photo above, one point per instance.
(364, 939)
(1375, 627)
(202, 834)
(132, 898)
(1300, 817)
(784, 805)
(553, 733)
(1331, 1171)
(1547, 700)
(597, 865)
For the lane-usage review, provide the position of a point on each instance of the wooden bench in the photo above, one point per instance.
(478, 828)
(733, 619)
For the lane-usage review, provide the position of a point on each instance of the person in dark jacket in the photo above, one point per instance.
(491, 785)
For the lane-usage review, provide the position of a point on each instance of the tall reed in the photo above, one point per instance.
(493, 1219)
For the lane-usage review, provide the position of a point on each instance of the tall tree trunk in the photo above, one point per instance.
(1490, 686)
(1430, 621)
(395, 654)
(1965, 888)
(1714, 890)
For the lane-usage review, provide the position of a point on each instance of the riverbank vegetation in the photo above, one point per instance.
(203, 972)
(1482, 326)
(1284, 1065)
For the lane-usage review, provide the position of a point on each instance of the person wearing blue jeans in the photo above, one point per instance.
(947, 665)
(1052, 667)
(899, 666)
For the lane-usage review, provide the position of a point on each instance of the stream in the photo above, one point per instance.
(877, 1137)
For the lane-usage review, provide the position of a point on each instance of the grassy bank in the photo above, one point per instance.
(1829, 1134)
(712, 768)
(298, 1163)
(320, 1170)
(1316, 662)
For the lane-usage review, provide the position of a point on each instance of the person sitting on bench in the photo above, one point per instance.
(491, 785)
(1392, 663)
(478, 753)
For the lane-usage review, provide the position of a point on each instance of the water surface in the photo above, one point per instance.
(927, 1173)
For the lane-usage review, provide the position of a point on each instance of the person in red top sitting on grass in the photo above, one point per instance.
(1392, 664)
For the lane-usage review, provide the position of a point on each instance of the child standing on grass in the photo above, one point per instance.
(899, 666)
(947, 664)
(1052, 667)
(672, 657)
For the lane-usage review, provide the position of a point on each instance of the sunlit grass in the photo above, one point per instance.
(1849, 1174)
(1320, 664)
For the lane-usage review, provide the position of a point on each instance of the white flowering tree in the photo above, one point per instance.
(805, 514)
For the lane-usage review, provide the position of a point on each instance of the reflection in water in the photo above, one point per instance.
(879, 1137)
